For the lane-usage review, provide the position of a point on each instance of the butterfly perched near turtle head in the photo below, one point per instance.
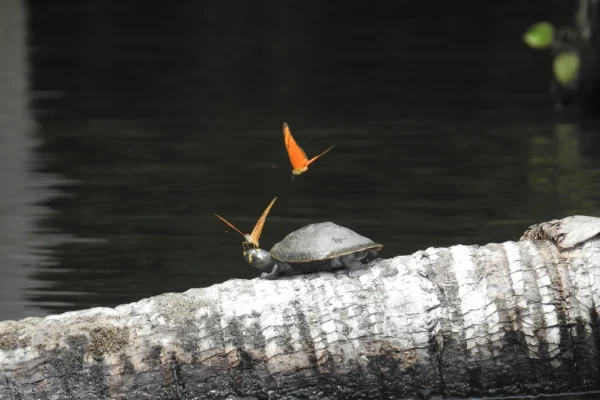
(251, 238)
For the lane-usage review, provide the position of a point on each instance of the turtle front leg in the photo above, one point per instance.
(353, 265)
(278, 269)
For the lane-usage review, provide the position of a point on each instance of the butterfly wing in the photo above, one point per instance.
(315, 157)
(297, 156)
(255, 235)
(230, 225)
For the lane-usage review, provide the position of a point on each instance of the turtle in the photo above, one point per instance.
(313, 248)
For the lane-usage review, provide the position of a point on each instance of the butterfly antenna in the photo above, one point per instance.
(315, 157)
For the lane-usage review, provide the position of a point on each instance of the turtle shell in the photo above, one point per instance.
(320, 241)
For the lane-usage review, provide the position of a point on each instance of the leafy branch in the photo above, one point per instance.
(566, 61)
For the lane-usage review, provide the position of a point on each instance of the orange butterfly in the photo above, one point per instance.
(298, 157)
(252, 238)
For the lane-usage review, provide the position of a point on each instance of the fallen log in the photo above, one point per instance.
(500, 319)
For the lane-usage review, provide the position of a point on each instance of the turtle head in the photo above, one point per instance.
(259, 259)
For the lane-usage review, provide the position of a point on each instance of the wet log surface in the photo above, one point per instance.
(500, 319)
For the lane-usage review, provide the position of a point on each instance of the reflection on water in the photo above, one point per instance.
(21, 189)
(155, 122)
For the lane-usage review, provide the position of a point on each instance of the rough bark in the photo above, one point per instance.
(500, 319)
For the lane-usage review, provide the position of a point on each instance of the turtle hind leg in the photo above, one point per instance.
(353, 265)
(370, 256)
(355, 273)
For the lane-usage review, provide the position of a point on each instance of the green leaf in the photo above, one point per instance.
(566, 67)
(540, 35)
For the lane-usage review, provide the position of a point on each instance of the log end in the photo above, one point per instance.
(565, 233)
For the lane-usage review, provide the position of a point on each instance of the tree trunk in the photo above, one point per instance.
(501, 319)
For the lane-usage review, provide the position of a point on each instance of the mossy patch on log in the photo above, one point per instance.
(107, 340)
(178, 306)
(10, 339)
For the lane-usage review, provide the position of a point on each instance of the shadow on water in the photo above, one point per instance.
(155, 122)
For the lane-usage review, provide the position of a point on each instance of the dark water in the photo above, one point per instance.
(125, 125)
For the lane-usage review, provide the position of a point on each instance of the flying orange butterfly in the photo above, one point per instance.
(298, 157)
(252, 238)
